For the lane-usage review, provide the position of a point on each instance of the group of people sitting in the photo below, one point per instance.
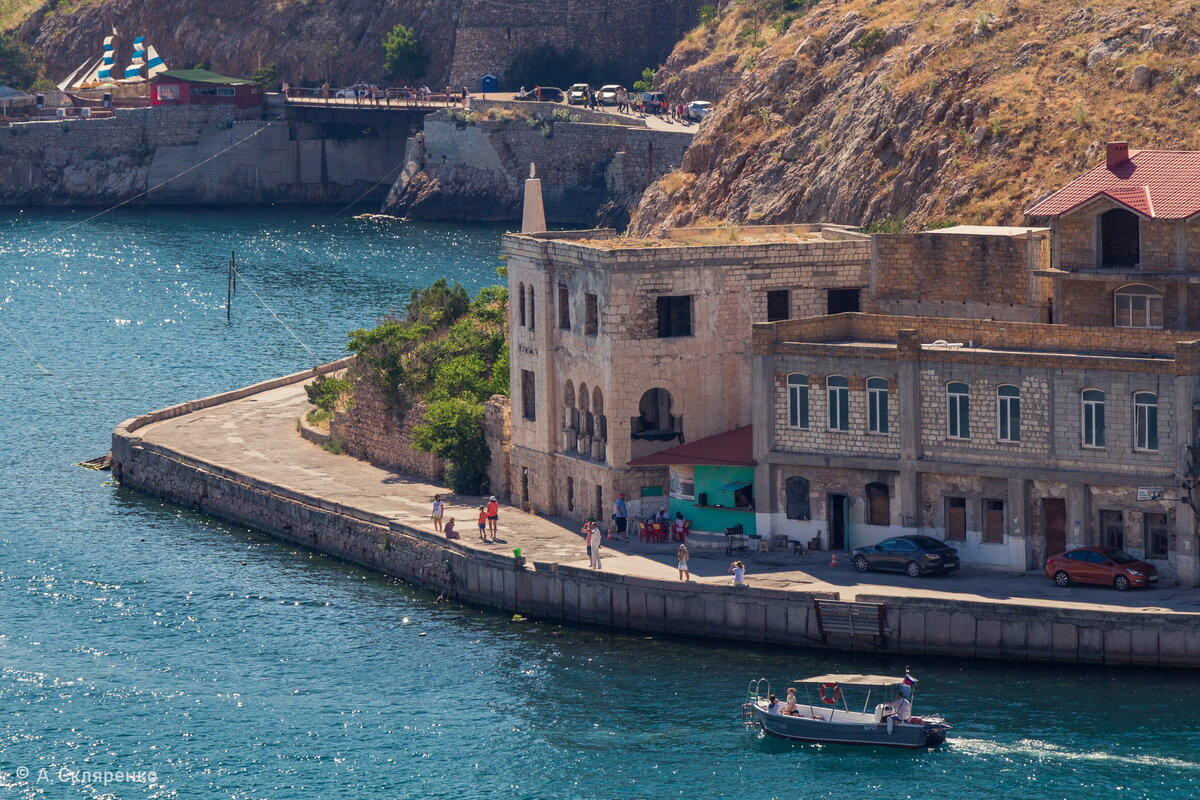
(899, 709)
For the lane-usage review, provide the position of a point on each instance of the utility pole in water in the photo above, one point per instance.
(231, 286)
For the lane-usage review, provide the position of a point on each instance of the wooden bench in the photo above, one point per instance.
(865, 622)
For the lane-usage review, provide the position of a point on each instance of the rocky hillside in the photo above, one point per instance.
(916, 112)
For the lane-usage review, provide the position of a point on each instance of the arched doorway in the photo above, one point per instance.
(655, 421)
(1119, 238)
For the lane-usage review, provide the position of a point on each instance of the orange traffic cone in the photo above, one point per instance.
(833, 561)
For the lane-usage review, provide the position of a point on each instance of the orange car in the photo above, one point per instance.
(1108, 566)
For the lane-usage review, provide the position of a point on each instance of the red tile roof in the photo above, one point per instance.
(1160, 184)
(733, 448)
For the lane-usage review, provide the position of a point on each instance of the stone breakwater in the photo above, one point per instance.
(81, 162)
(549, 590)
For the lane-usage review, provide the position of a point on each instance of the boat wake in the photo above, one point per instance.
(1048, 751)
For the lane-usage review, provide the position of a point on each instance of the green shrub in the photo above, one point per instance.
(869, 40)
(708, 15)
(326, 390)
(646, 83)
(453, 430)
(404, 57)
(335, 446)
(267, 77)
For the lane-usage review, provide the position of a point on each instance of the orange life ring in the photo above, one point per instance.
(830, 693)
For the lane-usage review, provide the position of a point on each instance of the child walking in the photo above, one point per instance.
(483, 523)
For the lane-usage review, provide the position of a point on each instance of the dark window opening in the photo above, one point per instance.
(532, 316)
(528, 396)
(993, 521)
(1112, 528)
(521, 305)
(525, 485)
(778, 305)
(879, 505)
(798, 505)
(599, 502)
(655, 421)
(956, 519)
(674, 316)
(1119, 238)
(591, 315)
(841, 301)
(564, 309)
(1157, 535)
(570, 494)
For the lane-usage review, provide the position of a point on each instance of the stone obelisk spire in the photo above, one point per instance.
(533, 214)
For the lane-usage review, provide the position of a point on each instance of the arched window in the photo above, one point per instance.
(532, 316)
(587, 421)
(877, 405)
(1119, 238)
(795, 490)
(521, 305)
(1093, 417)
(654, 420)
(570, 413)
(838, 389)
(958, 410)
(797, 388)
(1145, 421)
(1008, 413)
(879, 504)
(1137, 306)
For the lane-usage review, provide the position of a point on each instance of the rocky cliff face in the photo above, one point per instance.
(873, 110)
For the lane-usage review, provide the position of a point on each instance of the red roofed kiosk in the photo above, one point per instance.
(199, 87)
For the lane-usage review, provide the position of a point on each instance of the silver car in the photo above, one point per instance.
(607, 96)
(577, 95)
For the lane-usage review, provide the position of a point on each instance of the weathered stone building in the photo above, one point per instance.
(624, 347)
(1013, 441)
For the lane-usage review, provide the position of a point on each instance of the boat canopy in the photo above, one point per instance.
(854, 680)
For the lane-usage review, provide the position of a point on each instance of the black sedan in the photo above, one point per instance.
(915, 555)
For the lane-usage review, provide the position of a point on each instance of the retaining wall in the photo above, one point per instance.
(571, 594)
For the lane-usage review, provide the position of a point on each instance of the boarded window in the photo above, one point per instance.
(796, 492)
(1112, 528)
(778, 305)
(993, 520)
(674, 316)
(528, 396)
(591, 315)
(956, 518)
(879, 505)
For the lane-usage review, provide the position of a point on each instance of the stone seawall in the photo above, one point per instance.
(177, 153)
(552, 591)
(476, 170)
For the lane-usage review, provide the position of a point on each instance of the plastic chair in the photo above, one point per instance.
(657, 533)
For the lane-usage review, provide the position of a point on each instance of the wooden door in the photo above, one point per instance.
(956, 519)
(835, 505)
(1054, 512)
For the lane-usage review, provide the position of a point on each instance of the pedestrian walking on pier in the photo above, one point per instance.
(620, 515)
(594, 547)
(493, 515)
(682, 556)
(483, 521)
(439, 508)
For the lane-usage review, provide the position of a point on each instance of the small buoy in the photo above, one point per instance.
(518, 618)
(420, 634)
(833, 561)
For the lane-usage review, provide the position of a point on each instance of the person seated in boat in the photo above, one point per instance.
(790, 707)
(774, 707)
(903, 707)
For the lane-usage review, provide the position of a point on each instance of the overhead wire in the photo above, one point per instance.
(316, 358)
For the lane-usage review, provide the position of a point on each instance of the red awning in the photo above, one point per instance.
(733, 448)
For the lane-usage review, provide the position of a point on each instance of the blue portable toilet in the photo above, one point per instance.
(489, 83)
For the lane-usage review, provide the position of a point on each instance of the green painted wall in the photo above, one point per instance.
(716, 520)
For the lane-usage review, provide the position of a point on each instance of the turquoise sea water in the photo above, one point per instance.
(138, 637)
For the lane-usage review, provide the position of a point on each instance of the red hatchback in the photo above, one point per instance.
(1108, 566)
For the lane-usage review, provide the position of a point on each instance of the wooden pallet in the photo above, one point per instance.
(859, 622)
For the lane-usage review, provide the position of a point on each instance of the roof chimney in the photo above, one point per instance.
(1116, 153)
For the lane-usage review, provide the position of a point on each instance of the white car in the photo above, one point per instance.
(698, 109)
(577, 95)
(607, 95)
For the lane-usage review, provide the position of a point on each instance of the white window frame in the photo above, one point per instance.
(794, 393)
(839, 402)
(1145, 422)
(958, 411)
(877, 405)
(1087, 420)
(1125, 313)
(1008, 414)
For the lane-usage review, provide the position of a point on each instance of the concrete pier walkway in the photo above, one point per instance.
(258, 435)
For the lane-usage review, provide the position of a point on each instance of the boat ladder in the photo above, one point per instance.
(754, 693)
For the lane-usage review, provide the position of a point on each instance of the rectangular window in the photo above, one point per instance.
(797, 400)
(1156, 535)
(1093, 418)
(1008, 408)
(1112, 527)
(224, 91)
(591, 315)
(528, 396)
(532, 316)
(839, 404)
(1145, 421)
(993, 521)
(778, 305)
(564, 308)
(841, 301)
(877, 405)
(521, 306)
(1138, 311)
(958, 411)
(956, 519)
(570, 494)
(168, 91)
(674, 316)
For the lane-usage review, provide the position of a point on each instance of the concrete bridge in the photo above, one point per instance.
(405, 113)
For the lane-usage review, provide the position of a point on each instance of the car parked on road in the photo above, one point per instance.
(577, 95)
(607, 96)
(698, 109)
(653, 103)
(915, 555)
(546, 94)
(1106, 566)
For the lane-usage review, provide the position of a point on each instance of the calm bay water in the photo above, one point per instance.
(135, 636)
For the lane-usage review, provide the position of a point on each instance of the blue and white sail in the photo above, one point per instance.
(106, 63)
(154, 62)
(134, 71)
